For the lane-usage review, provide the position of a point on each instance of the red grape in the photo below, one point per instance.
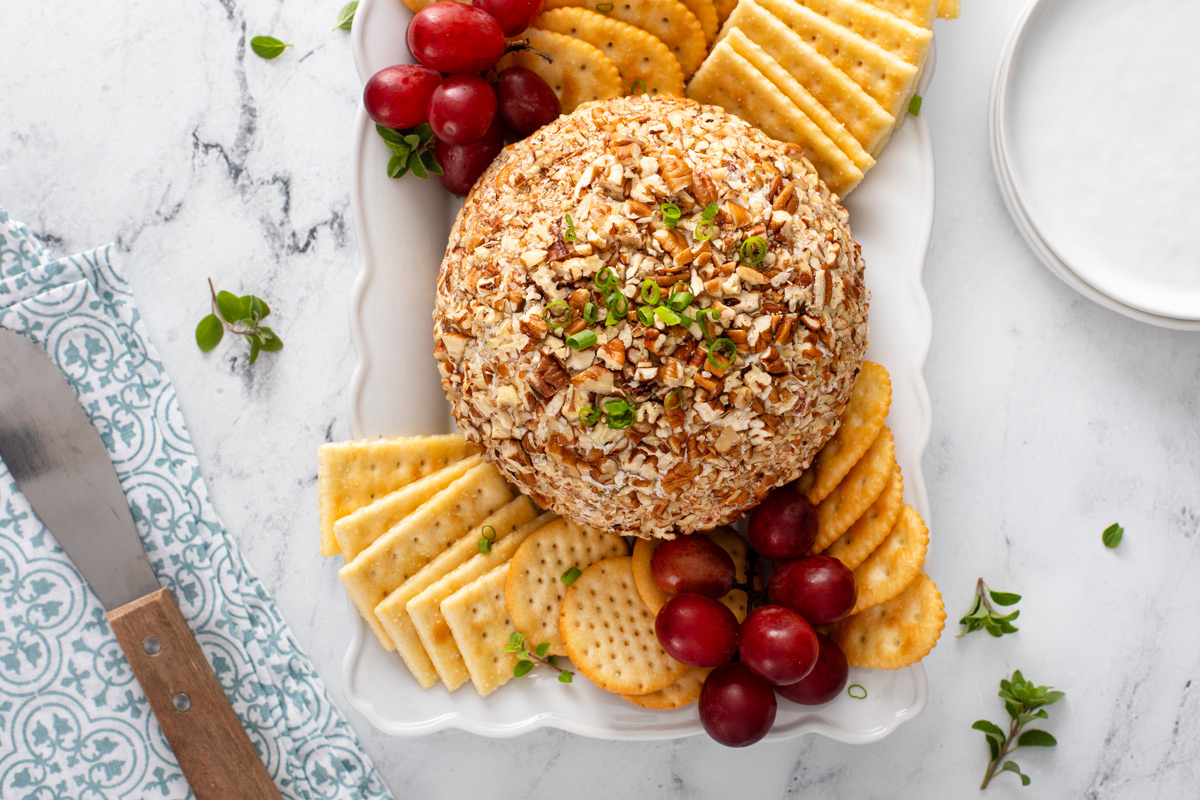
(819, 588)
(398, 97)
(526, 101)
(826, 680)
(462, 109)
(783, 526)
(462, 164)
(451, 37)
(777, 645)
(736, 707)
(514, 16)
(692, 564)
(697, 630)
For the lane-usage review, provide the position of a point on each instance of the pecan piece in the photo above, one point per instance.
(548, 377)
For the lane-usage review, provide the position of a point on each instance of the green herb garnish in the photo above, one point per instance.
(589, 416)
(569, 235)
(726, 345)
(618, 306)
(983, 616)
(1112, 535)
(1024, 703)
(527, 657)
(618, 413)
(704, 230)
(671, 214)
(753, 250)
(345, 17)
(558, 315)
(914, 105)
(860, 695)
(570, 576)
(668, 316)
(650, 292)
(605, 279)
(267, 47)
(646, 316)
(700, 315)
(412, 150)
(485, 541)
(677, 396)
(681, 299)
(633, 88)
(709, 211)
(590, 313)
(240, 316)
(604, 8)
(581, 340)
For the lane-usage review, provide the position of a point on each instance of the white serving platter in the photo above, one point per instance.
(1098, 178)
(401, 228)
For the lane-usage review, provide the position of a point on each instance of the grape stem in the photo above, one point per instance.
(754, 597)
(523, 44)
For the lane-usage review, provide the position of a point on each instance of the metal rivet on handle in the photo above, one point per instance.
(181, 702)
(151, 646)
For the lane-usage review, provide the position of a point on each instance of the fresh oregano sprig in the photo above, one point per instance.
(527, 657)
(1024, 703)
(412, 151)
(984, 616)
(241, 316)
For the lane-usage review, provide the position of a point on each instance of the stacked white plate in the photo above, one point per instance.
(1095, 135)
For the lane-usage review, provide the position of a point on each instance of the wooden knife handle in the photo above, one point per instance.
(206, 735)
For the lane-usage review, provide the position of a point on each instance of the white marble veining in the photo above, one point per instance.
(152, 124)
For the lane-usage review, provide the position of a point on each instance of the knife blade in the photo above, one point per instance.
(63, 468)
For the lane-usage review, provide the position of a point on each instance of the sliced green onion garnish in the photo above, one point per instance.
(618, 305)
(646, 315)
(753, 250)
(589, 416)
(914, 105)
(485, 543)
(569, 236)
(619, 413)
(633, 88)
(668, 316)
(679, 301)
(671, 214)
(709, 212)
(604, 8)
(861, 694)
(674, 400)
(605, 279)
(704, 231)
(700, 315)
(558, 315)
(590, 313)
(650, 292)
(571, 575)
(713, 358)
(582, 340)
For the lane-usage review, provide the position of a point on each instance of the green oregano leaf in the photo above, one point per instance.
(209, 333)
(345, 17)
(267, 47)
(1112, 536)
(523, 668)
(230, 307)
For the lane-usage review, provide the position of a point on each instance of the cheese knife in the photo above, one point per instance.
(64, 470)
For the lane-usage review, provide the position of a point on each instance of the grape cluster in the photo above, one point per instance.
(470, 111)
(776, 647)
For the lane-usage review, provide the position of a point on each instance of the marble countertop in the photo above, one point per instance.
(154, 126)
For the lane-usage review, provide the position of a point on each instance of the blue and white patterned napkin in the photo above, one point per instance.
(73, 720)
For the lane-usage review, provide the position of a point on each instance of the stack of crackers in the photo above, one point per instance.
(443, 560)
(864, 522)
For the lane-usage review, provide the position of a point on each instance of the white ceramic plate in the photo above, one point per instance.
(1098, 179)
(401, 228)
